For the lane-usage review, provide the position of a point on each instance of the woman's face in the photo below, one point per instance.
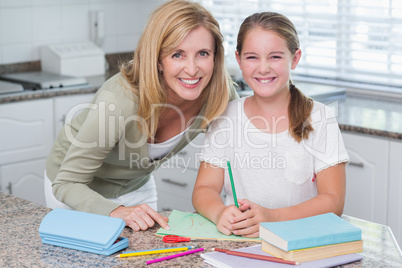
(188, 69)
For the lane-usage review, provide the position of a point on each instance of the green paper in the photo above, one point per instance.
(194, 225)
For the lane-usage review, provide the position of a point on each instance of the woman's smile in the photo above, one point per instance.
(190, 82)
(188, 69)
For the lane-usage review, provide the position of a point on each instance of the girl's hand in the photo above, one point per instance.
(226, 219)
(140, 217)
(247, 224)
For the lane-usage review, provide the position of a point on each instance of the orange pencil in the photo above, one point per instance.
(254, 256)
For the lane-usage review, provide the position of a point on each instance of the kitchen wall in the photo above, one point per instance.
(26, 25)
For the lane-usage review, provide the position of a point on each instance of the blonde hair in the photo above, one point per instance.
(167, 26)
(300, 106)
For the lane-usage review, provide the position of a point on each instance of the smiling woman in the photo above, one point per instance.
(188, 69)
(102, 161)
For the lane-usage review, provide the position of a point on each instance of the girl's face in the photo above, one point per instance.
(266, 62)
(188, 69)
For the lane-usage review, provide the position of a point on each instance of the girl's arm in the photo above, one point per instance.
(207, 199)
(331, 187)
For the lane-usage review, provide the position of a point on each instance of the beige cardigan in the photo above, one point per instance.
(102, 154)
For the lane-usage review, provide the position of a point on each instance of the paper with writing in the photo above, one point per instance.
(194, 225)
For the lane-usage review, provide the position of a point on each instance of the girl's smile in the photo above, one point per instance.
(266, 63)
(265, 80)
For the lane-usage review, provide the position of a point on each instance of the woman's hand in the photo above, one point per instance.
(140, 217)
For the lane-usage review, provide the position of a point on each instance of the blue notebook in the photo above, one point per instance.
(83, 231)
(315, 231)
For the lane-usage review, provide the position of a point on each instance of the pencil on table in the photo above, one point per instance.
(153, 251)
(254, 256)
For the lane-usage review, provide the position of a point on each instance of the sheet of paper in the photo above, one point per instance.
(196, 226)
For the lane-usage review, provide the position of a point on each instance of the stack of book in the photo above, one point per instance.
(310, 238)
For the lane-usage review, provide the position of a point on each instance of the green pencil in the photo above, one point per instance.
(232, 183)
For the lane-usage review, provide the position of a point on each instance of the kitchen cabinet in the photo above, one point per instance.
(25, 180)
(26, 139)
(28, 130)
(367, 177)
(175, 179)
(66, 107)
(395, 190)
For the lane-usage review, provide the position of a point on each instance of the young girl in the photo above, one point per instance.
(286, 152)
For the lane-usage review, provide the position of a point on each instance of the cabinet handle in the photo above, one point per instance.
(63, 119)
(10, 188)
(356, 164)
(182, 184)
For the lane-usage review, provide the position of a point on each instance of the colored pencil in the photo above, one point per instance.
(232, 183)
(153, 251)
(255, 256)
(175, 255)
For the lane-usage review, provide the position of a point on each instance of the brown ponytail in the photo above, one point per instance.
(299, 109)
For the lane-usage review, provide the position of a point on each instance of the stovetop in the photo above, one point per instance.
(8, 87)
(43, 80)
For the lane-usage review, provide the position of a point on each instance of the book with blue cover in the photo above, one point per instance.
(83, 231)
(315, 231)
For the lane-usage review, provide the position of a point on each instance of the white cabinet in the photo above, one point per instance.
(26, 138)
(395, 190)
(25, 180)
(28, 129)
(175, 179)
(367, 177)
(66, 107)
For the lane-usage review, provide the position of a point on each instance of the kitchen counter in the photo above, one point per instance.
(94, 84)
(21, 245)
(356, 113)
(359, 114)
(370, 116)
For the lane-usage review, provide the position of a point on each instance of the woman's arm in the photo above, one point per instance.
(331, 187)
(207, 199)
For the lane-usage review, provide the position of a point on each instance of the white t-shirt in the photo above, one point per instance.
(272, 170)
(160, 150)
